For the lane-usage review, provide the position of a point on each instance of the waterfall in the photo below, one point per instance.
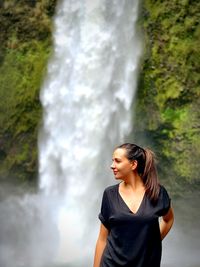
(87, 99)
(89, 90)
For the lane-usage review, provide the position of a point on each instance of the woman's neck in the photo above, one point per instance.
(133, 182)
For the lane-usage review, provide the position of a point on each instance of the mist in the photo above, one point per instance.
(181, 246)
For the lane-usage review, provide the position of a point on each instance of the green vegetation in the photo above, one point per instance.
(167, 112)
(25, 39)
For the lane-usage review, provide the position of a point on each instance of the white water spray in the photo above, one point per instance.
(89, 90)
(87, 100)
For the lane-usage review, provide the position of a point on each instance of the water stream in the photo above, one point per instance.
(89, 90)
(87, 99)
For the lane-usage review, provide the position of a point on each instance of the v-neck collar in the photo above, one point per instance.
(124, 203)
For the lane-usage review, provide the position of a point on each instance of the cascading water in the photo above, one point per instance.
(89, 90)
(87, 99)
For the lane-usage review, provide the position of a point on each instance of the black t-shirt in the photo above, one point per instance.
(134, 238)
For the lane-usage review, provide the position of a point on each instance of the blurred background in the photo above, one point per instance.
(76, 79)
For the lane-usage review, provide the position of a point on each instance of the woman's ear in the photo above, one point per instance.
(134, 164)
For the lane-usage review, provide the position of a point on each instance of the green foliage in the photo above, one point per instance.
(167, 112)
(25, 48)
(20, 78)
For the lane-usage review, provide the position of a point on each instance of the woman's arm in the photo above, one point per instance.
(100, 245)
(166, 223)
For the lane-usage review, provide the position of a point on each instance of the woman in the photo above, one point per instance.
(131, 232)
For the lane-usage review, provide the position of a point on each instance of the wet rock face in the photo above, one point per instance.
(26, 28)
(167, 113)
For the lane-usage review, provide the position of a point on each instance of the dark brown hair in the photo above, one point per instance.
(146, 168)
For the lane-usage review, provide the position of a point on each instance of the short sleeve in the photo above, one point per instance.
(164, 201)
(105, 211)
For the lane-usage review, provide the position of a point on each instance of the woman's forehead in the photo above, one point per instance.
(119, 153)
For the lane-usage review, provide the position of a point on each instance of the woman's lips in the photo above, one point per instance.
(115, 172)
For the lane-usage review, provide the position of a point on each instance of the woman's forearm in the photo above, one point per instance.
(100, 246)
(166, 223)
(164, 228)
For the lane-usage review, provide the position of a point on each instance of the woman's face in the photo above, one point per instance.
(121, 166)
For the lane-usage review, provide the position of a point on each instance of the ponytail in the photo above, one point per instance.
(146, 168)
(150, 176)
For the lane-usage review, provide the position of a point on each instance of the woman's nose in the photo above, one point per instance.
(112, 165)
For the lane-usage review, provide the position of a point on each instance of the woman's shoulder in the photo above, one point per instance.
(164, 201)
(111, 188)
(163, 194)
(163, 190)
(109, 192)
